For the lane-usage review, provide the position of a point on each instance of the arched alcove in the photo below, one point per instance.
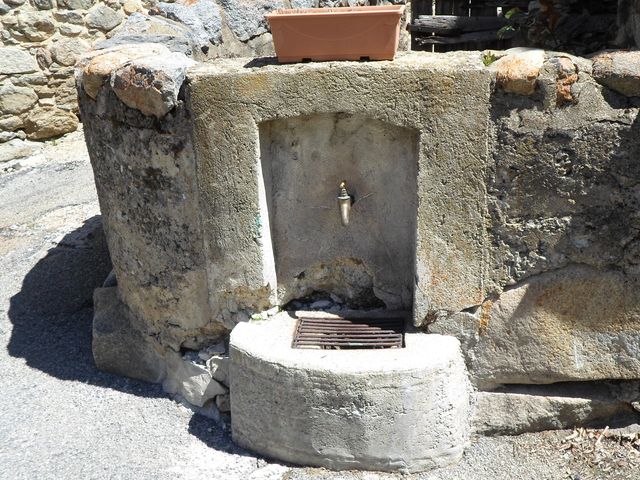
(303, 161)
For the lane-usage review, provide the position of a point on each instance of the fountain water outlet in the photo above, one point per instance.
(345, 201)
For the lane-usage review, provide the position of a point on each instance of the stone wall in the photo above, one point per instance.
(40, 41)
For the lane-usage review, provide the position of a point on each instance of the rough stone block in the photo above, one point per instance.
(103, 18)
(50, 123)
(202, 17)
(619, 71)
(16, 99)
(151, 85)
(246, 18)
(517, 72)
(95, 68)
(394, 410)
(36, 26)
(144, 29)
(16, 60)
(577, 323)
(119, 347)
(66, 51)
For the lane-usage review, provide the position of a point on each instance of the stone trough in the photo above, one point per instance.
(403, 409)
(499, 206)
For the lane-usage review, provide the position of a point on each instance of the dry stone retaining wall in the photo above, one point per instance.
(40, 41)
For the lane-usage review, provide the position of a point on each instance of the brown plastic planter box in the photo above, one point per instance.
(349, 33)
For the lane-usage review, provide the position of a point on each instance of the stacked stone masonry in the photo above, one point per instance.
(40, 41)
(529, 257)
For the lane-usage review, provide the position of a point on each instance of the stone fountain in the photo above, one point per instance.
(236, 192)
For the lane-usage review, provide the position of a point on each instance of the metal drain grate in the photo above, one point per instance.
(333, 332)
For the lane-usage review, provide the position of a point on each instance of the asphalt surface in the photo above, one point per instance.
(62, 418)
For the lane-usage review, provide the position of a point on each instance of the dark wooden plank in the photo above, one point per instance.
(454, 25)
(478, 4)
(448, 7)
(473, 37)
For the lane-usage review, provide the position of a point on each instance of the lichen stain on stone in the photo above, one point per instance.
(253, 85)
(256, 228)
(485, 315)
(154, 180)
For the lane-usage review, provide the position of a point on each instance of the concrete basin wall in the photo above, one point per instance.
(405, 409)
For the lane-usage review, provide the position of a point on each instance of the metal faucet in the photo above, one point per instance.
(344, 201)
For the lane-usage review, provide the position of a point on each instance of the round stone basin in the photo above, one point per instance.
(401, 409)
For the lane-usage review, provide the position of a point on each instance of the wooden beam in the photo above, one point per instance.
(474, 37)
(522, 4)
(454, 25)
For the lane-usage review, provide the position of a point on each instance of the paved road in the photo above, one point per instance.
(62, 418)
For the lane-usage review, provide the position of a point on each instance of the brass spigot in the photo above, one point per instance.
(344, 201)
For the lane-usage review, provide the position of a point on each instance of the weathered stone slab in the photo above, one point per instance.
(202, 17)
(534, 408)
(246, 17)
(144, 29)
(157, 253)
(401, 410)
(429, 91)
(119, 347)
(577, 323)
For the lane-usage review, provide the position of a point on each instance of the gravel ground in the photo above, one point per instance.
(62, 418)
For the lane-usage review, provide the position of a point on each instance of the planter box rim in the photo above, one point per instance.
(342, 11)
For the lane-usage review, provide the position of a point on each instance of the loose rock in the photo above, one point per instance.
(191, 381)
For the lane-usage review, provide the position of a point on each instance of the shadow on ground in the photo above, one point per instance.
(52, 314)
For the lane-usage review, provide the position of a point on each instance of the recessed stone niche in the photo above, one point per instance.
(369, 262)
